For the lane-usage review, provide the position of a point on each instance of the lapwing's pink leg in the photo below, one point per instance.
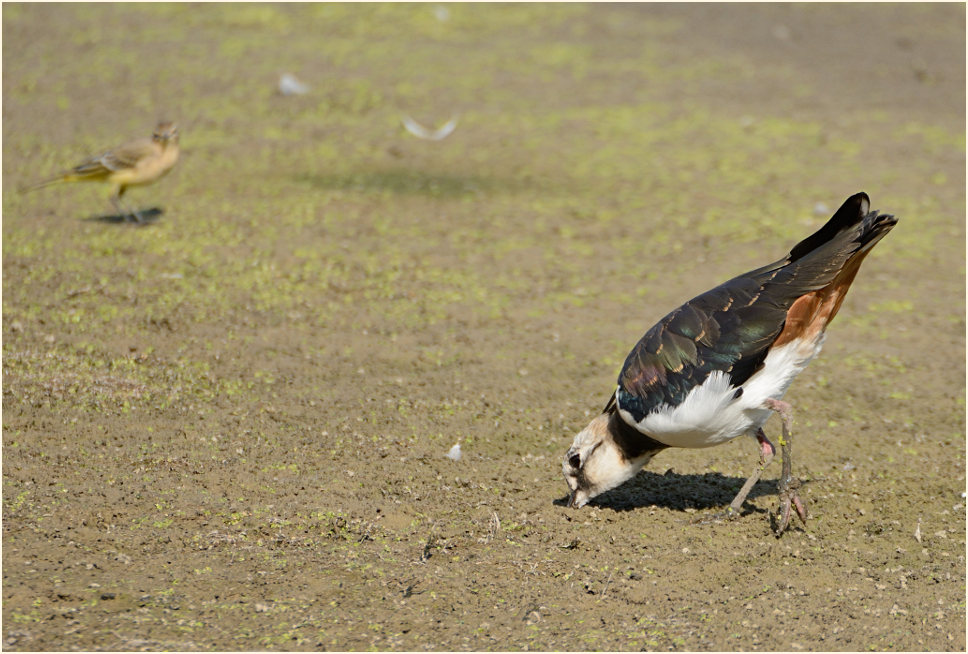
(788, 484)
(767, 451)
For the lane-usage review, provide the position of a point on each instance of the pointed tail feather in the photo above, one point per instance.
(74, 175)
(63, 177)
(875, 227)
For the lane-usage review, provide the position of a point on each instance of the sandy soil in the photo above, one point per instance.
(227, 429)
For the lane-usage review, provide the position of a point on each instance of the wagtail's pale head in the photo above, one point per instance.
(165, 132)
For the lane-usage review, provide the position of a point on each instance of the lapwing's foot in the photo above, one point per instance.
(789, 502)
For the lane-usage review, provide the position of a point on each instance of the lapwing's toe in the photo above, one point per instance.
(789, 502)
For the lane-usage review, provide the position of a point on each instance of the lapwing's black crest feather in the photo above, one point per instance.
(846, 217)
(731, 327)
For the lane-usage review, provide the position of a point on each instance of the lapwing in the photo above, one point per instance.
(718, 366)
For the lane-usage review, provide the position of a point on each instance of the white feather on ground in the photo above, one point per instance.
(289, 85)
(454, 453)
(422, 132)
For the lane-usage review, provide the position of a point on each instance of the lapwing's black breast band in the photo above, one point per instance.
(631, 442)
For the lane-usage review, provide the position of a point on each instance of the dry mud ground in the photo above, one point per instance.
(227, 429)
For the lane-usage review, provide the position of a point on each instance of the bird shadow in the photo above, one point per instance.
(405, 181)
(148, 217)
(679, 492)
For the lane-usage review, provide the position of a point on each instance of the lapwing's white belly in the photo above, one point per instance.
(711, 414)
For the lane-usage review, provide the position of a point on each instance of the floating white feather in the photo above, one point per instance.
(422, 132)
(289, 85)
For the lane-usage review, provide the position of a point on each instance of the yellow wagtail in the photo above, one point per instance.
(136, 163)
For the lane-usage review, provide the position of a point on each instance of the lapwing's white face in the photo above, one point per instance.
(594, 463)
